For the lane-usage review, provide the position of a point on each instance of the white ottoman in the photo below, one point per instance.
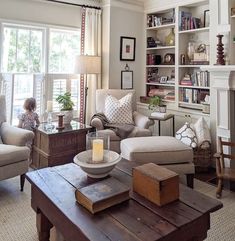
(161, 150)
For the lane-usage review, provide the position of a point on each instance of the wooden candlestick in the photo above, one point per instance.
(220, 51)
(60, 121)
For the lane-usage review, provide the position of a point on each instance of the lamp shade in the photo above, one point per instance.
(87, 64)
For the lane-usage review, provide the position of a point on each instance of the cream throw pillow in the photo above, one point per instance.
(202, 131)
(187, 135)
(119, 111)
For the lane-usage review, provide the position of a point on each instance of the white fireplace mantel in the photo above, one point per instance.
(222, 76)
(222, 116)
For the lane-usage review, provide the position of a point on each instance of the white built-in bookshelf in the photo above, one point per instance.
(170, 72)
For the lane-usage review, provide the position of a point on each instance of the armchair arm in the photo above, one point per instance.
(141, 120)
(15, 136)
(97, 123)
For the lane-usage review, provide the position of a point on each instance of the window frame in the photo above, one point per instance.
(45, 28)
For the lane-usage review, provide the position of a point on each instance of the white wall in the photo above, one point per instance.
(40, 12)
(123, 22)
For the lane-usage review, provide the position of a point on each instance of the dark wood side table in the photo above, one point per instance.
(55, 147)
(167, 117)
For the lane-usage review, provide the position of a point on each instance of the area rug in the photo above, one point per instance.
(17, 219)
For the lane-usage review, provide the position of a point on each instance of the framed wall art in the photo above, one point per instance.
(127, 79)
(127, 48)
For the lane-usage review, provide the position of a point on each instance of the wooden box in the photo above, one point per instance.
(157, 184)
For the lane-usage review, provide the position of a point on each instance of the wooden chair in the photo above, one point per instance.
(223, 173)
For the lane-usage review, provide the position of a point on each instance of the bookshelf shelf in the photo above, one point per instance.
(159, 84)
(191, 84)
(206, 29)
(161, 47)
(191, 66)
(194, 87)
(171, 25)
(160, 66)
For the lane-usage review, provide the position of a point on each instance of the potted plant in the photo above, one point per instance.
(155, 104)
(66, 106)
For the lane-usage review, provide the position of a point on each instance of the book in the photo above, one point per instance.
(101, 195)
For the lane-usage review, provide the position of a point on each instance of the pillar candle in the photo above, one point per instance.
(97, 150)
(49, 106)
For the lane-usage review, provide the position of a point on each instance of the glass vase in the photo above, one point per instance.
(190, 51)
(170, 38)
(98, 144)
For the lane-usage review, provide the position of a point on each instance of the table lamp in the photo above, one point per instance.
(87, 64)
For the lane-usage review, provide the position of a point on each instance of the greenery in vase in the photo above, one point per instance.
(65, 101)
(154, 102)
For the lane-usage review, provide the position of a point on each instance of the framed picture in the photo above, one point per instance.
(163, 79)
(127, 49)
(127, 79)
(206, 18)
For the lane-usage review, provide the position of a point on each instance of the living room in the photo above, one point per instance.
(171, 63)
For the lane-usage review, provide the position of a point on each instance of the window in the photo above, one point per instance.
(25, 66)
(64, 45)
(61, 83)
(22, 49)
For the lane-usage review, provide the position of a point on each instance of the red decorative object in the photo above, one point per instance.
(220, 51)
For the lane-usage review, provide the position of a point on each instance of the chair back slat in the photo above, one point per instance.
(226, 143)
(232, 157)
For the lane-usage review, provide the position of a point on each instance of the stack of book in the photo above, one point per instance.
(151, 42)
(198, 78)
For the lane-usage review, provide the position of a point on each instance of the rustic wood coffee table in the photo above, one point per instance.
(137, 219)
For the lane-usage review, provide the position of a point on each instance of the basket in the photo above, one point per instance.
(202, 156)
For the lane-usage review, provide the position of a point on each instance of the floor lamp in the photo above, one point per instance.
(87, 64)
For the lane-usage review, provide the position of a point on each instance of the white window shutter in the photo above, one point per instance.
(7, 87)
(38, 91)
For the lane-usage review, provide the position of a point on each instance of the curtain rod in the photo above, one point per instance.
(74, 4)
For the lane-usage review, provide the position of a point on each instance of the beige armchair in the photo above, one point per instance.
(141, 122)
(14, 153)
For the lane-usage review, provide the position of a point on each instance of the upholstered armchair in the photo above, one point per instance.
(14, 153)
(141, 122)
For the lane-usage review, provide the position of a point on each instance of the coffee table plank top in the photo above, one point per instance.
(138, 219)
(198, 201)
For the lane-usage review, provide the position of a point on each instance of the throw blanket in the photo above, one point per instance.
(121, 130)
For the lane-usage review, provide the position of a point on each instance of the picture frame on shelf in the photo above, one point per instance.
(127, 48)
(206, 18)
(163, 79)
(126, 79)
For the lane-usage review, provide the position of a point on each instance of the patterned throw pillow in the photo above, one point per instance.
(187, 135)
(202, 131)
(119, 111)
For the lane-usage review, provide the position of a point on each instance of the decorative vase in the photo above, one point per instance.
(190, 51)
(162, 108)
(170, 38)
(68, 116)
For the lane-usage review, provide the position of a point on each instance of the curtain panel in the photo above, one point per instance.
(90, 45)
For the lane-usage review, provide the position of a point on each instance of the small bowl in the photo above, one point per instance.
(97, 170)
